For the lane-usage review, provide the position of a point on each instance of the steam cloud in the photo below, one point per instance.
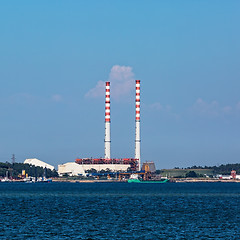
(122, 83)
(57, 98)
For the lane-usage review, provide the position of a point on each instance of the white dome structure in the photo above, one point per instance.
(38, 163)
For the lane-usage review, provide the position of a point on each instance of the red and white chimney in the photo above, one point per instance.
(137, 129)
(107, 140)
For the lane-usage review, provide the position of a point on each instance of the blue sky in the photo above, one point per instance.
(54, 54)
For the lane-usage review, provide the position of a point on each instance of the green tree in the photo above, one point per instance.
(191, 174)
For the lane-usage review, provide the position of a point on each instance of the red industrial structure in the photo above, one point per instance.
(233, 174)
(137, 128)
(107, 139)
(130, 161)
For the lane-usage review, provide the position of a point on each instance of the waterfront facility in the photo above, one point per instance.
(107, 163)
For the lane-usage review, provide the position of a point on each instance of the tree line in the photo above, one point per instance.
(15, 169)
(224, 169)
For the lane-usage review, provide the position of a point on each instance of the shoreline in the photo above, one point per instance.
(173, 180)
(206, 180)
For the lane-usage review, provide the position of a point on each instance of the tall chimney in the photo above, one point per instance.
(137, 129)
(107, 140)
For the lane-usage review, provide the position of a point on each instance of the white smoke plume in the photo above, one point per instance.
(122, 83)
(97, 91)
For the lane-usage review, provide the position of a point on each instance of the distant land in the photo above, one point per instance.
(15, 170)
(210, 171)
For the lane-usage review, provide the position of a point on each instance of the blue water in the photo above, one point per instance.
(120, 211)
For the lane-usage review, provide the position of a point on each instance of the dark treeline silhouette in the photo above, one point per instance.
(222, 169)
(16, 168)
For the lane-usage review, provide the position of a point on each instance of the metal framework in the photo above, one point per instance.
(131, 161)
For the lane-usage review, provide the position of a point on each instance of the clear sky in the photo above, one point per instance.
(55, 56)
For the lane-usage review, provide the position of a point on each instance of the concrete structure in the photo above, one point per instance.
(71, 168)
(75, 169)
(38, 163)
(107, 139)
(137, 129)
(149, 167)
(110, 167)
(113, 164)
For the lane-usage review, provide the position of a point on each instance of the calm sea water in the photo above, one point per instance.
(120, 211)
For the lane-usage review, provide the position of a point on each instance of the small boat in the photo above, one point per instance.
(6, 179)
(37, 180)
(135, 179)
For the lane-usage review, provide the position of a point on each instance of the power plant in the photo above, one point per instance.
(116, 164)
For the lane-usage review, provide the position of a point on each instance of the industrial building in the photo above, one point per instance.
(71, 169)
(38, 163)
(149, 167)
(229, 177)
(111, 164)
(107, 162)
(76, 169)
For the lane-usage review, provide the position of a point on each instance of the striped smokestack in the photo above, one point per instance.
(137, 129)
(107, 140)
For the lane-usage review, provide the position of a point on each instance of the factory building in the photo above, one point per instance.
(75, 169)
(104, 166)
(111, 163)
(38, 163)
(71, 169)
